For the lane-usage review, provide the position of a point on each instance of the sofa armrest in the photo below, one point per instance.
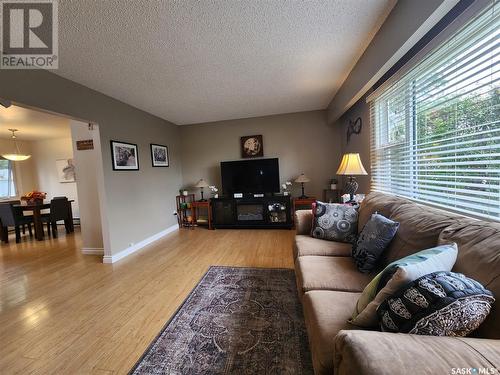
(303, 221)
(370, 352)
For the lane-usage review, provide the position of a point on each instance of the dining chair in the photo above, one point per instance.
(59, 210)
(12, 217)
(19, 212)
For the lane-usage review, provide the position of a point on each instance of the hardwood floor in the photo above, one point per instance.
(62, 312)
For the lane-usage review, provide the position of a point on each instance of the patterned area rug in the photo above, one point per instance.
(236, 321)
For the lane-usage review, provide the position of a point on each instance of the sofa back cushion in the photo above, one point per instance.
(419, 226)
(375, 202)
(479, 258)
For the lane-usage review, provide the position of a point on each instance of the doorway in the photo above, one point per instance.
(64, 160)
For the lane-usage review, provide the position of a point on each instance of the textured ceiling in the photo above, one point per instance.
(198, 61)
(32, 125)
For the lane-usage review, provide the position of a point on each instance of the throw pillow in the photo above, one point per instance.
(397, 274)
(335, 222)
(372, 241)
(438, 304)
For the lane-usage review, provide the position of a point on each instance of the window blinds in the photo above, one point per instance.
(435, 131)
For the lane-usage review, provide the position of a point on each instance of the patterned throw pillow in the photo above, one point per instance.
(396, 275)
(438, 304)
(335, 222)
(372, 241)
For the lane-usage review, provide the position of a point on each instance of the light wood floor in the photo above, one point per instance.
(62, 312)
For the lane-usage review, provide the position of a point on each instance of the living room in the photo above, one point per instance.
(378, 118)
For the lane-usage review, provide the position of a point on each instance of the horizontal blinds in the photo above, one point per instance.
(435, 134)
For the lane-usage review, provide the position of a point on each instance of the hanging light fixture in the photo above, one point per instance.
(16, 155)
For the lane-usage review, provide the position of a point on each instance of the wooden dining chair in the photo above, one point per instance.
(59, 210)
(11, 217)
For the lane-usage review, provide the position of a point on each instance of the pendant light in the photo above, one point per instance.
(16, 156)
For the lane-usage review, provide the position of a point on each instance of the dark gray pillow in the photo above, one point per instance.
(335, 222)
(437, 304)
(372, 241)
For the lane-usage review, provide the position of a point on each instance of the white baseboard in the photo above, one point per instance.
(139, 245)
(92, 251)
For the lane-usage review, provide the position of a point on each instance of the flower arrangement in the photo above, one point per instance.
(285, 186)
(34, 196)
(214, 191)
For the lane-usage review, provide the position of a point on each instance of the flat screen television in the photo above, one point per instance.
(250, 176)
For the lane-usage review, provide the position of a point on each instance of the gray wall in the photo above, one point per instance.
(359, 143)
(408, 21)
(139, 203)
(302, 141)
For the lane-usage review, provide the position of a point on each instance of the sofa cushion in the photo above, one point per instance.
(419, 227)
(335, 222)
(396, 275)
(307, 245)
(372, 241)
(367, 352)
(329, 273)
(326, 313)
(438, 304)
(479, 258)
(377, 202)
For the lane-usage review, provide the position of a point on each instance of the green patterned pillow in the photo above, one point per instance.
(397, 274)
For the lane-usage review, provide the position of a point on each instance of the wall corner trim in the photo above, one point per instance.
(139, 245)
(92, 251)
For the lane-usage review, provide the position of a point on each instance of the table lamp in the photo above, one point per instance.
(351, 166)
(302, 179)
(201, 184)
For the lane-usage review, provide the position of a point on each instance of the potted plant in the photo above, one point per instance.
(214, 191)
(285, 186)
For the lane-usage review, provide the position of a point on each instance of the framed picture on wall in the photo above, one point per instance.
(65, 170)
(252, 146)
(125, 156)
(159, 155)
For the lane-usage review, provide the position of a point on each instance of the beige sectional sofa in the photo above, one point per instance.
(329, 285)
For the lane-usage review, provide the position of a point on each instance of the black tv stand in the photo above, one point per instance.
(249, 212)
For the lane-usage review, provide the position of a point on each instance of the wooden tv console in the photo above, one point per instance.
(252, 212)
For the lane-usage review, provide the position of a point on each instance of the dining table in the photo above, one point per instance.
(37, 208)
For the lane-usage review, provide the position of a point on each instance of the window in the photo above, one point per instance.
(435, 129)
(7, 187)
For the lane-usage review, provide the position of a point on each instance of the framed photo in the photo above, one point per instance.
(252, 146)
(65, 170)
(159, 155)
(125, 156)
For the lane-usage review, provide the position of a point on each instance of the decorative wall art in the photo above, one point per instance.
(159, 155)
(354, 127)
(65, 170)
(252, 146)
(125, 156)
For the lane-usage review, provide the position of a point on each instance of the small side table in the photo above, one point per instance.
(206, 204)
(331, 196)
(298, 203)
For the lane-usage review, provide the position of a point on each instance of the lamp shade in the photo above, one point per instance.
(16, 155)
(302, 178)
(351, 165)
(201, 184)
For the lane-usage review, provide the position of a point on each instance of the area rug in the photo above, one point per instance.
(235, 321)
